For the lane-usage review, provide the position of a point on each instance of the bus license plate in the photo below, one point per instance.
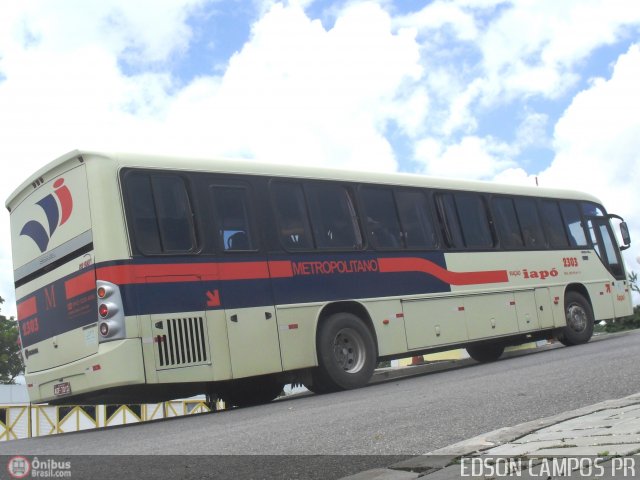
(62, 389)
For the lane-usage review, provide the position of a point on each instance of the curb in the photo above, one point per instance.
(438, 460)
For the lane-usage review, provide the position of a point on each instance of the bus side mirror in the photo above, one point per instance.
(626, 238)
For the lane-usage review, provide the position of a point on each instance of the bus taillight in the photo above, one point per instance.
(111, 324)
(104, 329)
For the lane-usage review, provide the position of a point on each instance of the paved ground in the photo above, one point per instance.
(581, 376)
(599, 441)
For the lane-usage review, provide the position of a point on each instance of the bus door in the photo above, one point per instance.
(606, 247)
(245, 292)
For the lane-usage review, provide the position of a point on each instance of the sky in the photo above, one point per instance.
(509, 91)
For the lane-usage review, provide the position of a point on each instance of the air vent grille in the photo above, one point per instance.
(181, 342)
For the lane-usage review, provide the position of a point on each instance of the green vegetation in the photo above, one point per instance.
(10, 358)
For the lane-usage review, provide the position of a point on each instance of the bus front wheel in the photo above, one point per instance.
(488, 352)
(580, 320)
(346, 354)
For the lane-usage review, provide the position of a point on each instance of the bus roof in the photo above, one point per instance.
(246, 167)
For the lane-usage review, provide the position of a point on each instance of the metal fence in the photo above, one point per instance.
(26, 420)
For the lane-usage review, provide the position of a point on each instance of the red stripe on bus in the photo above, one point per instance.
(80, 284)
(412, 264)
(281, 269)
(27, 309)
(183, 272)
(243, 271)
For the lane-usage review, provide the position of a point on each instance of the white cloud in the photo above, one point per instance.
(298, 93)
(439, 14)
(532, 131)
(473, 157)
(597, 143)
(479, 54)
(295, 93)
(533, 46)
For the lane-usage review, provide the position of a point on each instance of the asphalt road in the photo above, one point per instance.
(408, 416)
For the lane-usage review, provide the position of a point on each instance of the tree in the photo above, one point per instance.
(633, 282)
(10, 358)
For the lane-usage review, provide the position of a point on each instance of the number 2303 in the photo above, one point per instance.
(30, 326)
(570, 261)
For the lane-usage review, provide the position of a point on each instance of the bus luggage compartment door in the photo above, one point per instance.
(430, 322)
(253, 341)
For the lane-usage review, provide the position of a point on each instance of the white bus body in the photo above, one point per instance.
(145, 278)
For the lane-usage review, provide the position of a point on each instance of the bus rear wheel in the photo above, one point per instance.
(488, 352)
(580, 320)
(248, 392)
(346, 354)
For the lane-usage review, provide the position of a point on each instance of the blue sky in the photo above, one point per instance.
(484, 89)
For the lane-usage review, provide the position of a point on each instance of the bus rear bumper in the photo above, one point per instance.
(117, 363)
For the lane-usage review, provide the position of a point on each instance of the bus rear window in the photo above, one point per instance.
(160, 214)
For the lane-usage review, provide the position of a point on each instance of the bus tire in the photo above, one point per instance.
(248, 392)
(487, 352)
(580, 320)
(346, 354)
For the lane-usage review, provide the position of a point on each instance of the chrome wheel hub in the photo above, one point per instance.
(576, 318)
(348, 350)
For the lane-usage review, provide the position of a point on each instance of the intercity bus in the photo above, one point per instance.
(142, 278)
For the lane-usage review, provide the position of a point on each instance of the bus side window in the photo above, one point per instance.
(161, 213)
(449, 220)
(231, 205)
(529, 220)
(383, 226)
(415, 217)
(175, 216)
(473, 220)
(573, 223)
(142, 211)
(506, 222)
(291, 214)
(333, 217)
(553, 224)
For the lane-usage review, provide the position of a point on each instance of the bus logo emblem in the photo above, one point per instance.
(57, 212)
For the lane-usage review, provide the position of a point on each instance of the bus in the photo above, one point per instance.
(146, 278)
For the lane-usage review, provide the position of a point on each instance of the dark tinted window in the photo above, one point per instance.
(592, 210)
(506, 222)
(553, 223)
(161, 213)
(449, 220)
(291, 212)
(231, 206)
(416, 220)
(530, 224)
(333, 217)
(381, 218)
(473, 220)
(142, 212)
(573, 224)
